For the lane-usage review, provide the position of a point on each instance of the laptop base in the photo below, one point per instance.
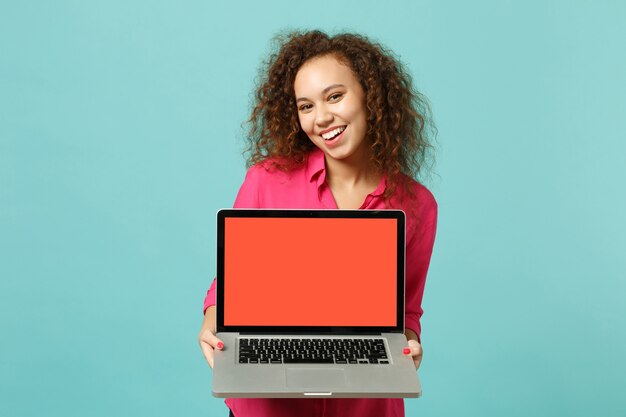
(397, 379)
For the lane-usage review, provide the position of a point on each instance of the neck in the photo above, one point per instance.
(351, 172)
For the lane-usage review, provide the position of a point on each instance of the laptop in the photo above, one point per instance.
(310, 304)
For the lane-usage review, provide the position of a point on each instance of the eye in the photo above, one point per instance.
(305, 107)
(335, 96)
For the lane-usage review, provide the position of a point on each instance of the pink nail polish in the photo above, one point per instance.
(220, 345)
(406, 351)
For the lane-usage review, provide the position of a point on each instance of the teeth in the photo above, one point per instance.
(333, 133)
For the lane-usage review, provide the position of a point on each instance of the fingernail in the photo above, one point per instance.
(406, 351)
(220, 345)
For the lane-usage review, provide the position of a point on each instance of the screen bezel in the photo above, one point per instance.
(274, 213)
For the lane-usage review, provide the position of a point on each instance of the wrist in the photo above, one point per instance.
(411, 335)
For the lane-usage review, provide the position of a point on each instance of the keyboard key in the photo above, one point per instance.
(342, 351)
(289, 360)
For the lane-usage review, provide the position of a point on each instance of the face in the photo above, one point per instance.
(331, 108)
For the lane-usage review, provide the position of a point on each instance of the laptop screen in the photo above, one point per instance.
(330, 272)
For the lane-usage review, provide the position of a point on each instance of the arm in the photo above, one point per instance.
(208, 340)
(410, 335)
(246, 198)
(418, 252)
(414, 348)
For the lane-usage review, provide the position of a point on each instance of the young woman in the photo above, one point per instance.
(337, 124)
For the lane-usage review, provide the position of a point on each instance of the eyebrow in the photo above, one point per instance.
(324, 91)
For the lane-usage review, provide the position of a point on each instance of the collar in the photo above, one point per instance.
(316, 167)
(382, 186)
(316, 171)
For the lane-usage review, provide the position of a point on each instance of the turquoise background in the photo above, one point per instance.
(120, 137)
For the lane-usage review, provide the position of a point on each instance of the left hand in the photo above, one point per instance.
(414, 349)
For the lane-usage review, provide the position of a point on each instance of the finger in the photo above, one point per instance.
(418, 361)
(412, 351)
(212, 340)
(207, 350)
(416, 352)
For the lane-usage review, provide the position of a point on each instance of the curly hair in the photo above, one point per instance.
(398, 117)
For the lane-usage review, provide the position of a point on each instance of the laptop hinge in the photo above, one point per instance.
(307, 334)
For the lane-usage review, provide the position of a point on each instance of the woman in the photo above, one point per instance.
(337, 125)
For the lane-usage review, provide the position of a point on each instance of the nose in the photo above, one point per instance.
(323, 117)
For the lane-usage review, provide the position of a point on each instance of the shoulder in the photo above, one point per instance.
(420, 206)
(261, 179)
(416, 197)
(424, 196)
(270, 170)
(281, 169)
(267, 185)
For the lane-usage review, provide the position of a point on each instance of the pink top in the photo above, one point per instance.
(306, 188)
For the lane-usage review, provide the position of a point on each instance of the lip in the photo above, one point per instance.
(330, 129)
(335, 141)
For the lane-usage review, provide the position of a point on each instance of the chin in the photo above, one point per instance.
(338, 155)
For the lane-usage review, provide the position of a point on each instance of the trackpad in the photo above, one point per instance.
(326, 379)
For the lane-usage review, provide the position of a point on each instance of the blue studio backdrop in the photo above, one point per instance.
(120, 137)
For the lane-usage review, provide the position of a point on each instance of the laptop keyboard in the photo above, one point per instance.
(339, 351)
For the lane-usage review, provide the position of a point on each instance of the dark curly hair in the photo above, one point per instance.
(399, 124)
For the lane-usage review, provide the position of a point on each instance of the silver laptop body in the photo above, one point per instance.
(290, 327)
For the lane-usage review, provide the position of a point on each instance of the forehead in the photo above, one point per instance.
(320, 72)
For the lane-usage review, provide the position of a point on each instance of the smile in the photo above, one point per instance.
(333, 133)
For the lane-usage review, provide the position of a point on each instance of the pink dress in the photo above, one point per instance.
(306, 188)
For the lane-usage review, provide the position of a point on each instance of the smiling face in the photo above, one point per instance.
(331, 108)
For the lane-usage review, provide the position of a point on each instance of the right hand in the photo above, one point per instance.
(208, 341)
